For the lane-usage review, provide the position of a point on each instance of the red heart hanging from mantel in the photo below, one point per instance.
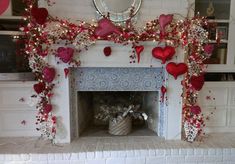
(163, 54)
(39, 14)
(138, 50)
(176, 69)
(106, 27)
(164, 20)
(197, 82)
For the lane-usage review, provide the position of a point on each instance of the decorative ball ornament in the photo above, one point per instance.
(176, 69)
(107, 51)
(163, 54)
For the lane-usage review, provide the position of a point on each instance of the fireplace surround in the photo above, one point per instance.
(98, 73)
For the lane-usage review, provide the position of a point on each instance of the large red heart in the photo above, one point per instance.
(65, 54)
(39, 87)
(4, 5)
(48, 74)
(39, 14)
(164, 20)
(106, 27)
(138, 50)
(197, 82)
(163, 54)
(176, 69)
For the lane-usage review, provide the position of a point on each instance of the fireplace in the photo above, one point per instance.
(114, 74)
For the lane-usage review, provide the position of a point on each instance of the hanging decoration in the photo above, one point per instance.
(43, 31)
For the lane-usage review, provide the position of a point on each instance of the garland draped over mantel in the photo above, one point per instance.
(43, 31)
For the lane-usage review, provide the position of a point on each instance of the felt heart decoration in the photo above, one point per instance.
(138, 50)
(176, 69)
(107, 51)
(106, 27)
(47, 108)
(39, 14)
(164, 20)
(195, 109)
(48, 74)
(163, 54)
(163, 91)
(39, 87)
(65, 54)
(4, 5)
(197, 82)
(208, 48)
(66, 72)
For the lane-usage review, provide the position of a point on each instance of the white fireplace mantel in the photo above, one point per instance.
(94, 57)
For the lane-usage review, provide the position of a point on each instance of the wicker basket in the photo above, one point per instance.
(122, 127)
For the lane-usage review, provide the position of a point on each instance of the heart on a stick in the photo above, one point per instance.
(164, 20)
(176, 69)
(106, 27)
(163, 54)
(39, 14)
(138, 50)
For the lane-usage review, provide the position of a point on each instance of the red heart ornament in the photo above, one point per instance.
(138, 50)
(176, 69)
(47, 108)
(48, 74)
(164, 20)
(66, 72)
(197, 82)
(39, 14)
(107, 51)
(195, 109)
(4, 5)
(65, 54)
(39, 87)
(163, 54)
(106, 27)
(163, 91)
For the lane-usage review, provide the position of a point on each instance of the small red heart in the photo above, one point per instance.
(164, 20)
(176, 69)
(39, 87)
(195, 109)
(48, 74)
(65, 54)
(66, 72)
(163, 91)
(107, 51)
(106, 27)
(163, 54)
(47, 108)
(39, 14)
(197, 82)
(138, 50)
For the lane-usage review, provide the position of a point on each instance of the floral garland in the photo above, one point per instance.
(43, 31)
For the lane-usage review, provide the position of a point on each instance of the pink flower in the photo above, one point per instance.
(48, 74)
(65, 54)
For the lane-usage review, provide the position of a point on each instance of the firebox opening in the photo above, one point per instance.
(95, 109)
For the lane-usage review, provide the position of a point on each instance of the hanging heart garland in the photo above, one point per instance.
(138, 50)
(176, 69)
(163, 54)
